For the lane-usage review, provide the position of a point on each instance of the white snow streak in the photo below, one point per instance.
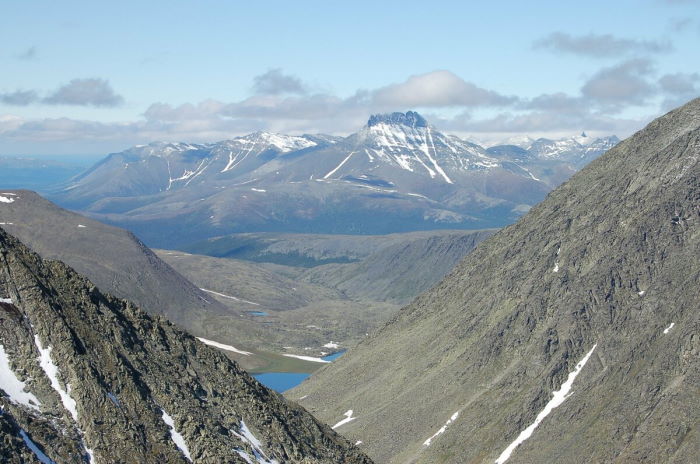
(244, 455)
(435, 164)
(229, 297)
(558, 397)
(668, 329)
(348, 418)
(442, 429)
(330, 345)
(306, 358)
(80, 226)
(223, 347)
(339, 166)
(51, 371)
(258, 190)
(6, 300)
(247, 437)
(233, 162)
(13, 386)
(177, 438)
(44, 459)
(6, 199)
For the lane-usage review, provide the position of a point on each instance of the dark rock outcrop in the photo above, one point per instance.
(88, 374)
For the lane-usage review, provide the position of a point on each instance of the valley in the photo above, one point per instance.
(350, 232)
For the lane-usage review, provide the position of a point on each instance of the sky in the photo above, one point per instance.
(87, 78)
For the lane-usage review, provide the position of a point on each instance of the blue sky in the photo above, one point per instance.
(92, 77)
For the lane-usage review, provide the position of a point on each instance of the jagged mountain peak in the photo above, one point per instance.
(409, 118)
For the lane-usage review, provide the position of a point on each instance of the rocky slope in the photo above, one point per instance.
(396, 174)
(399, 272)
(87, 377)
(114, 259)
(287, 309)
(571, 336)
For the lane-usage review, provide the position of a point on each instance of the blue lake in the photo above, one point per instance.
(258, 313)
(283, 381)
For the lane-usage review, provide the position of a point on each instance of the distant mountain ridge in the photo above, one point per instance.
(396, 174)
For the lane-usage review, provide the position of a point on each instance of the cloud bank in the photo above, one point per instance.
(285, 103)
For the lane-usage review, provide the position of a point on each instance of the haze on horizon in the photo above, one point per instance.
(86, 78)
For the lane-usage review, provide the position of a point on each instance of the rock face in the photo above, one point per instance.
(596, 289)
(85, 376)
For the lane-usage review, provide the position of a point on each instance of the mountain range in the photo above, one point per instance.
(396, 174)
(570, 336)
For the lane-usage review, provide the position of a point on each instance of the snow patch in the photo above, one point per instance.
(114, 399)
(358, 442)
(556, 267)
(306, 358)
(177, 438)
(339, 166)
(44, 459)
(442, 430)
(229, 297)
(641, 293)
(80, 226)
(558, 397)
(247, 437)
(348, 418)
(51, 371)
(330, 345)
(6, 300)
(223, 347)
(244, 455)
(258, 190)
(668, 329)
(13, 386)
(4, 199)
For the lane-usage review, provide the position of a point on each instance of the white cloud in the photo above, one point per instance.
(458, 106)
(275, 82)
(85, 92)
(621, 85)
(19, 98)
(601, 45)
(437, 89)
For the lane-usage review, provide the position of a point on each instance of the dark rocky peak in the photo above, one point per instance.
(409, 118)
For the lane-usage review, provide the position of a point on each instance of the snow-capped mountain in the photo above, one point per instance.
(397, 173)
(572, 148)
